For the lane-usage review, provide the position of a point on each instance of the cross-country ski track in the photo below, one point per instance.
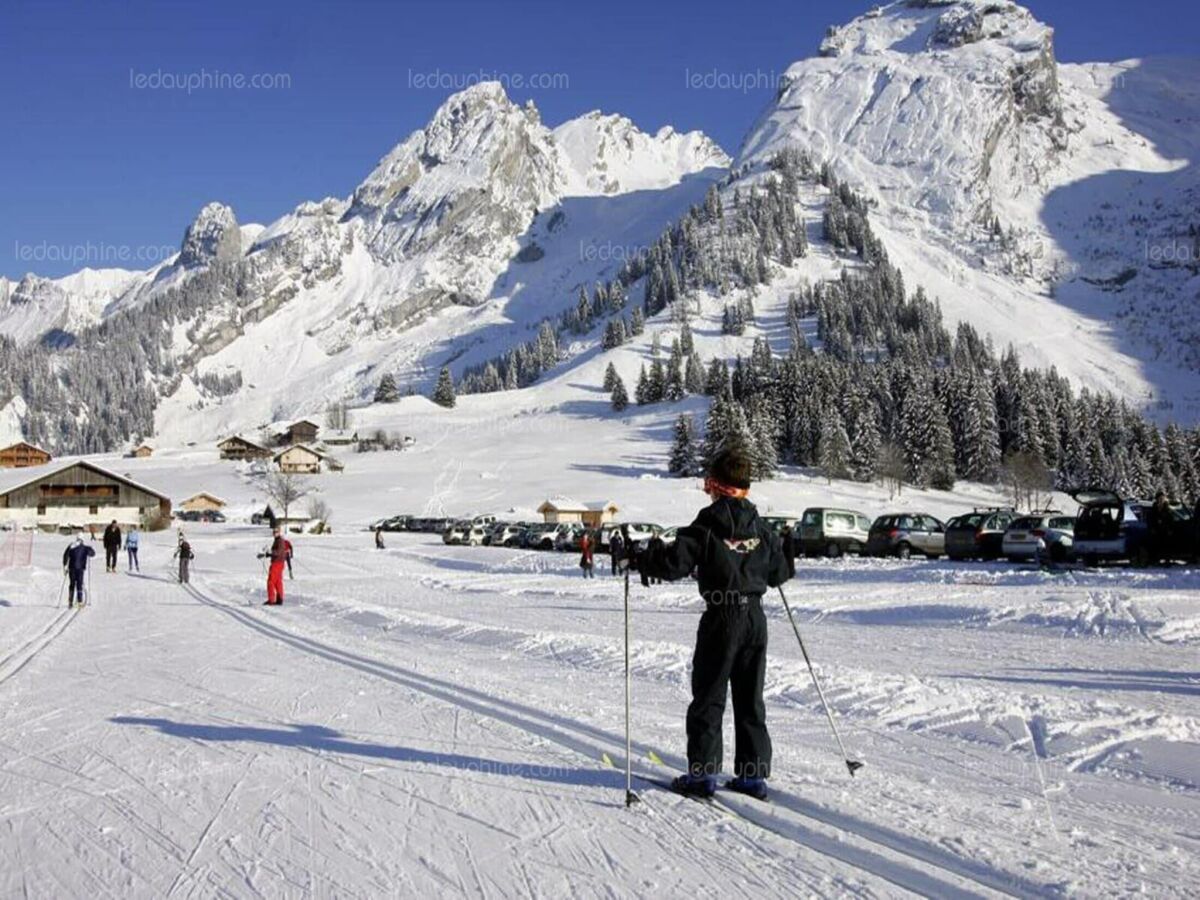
(430, 720)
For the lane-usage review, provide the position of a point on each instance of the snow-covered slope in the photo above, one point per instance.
(1029, 197)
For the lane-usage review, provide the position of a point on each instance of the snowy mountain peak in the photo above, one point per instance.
(608, 154)
(213, 236)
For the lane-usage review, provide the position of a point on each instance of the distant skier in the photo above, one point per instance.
(75, 559)
(278, 557)
(616, 548)
(587, 561)
(379, 539)
(112, 546)
(185, 556)
(789, 541)
(736, 557)
(131, 549)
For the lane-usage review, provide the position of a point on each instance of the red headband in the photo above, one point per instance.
(712, 486)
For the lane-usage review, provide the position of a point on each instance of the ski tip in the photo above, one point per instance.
(607, 760)
(655, 758)
(631, 798)
(853, 766)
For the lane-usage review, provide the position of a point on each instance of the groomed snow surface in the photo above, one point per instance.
(432, 721)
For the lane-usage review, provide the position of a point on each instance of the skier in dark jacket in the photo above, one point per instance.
(1160, 526)
(75, 559)
(112, 546)
(616, 548)
(184, 554)
(735, 557)
(379, 539)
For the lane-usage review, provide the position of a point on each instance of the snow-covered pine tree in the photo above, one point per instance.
(682, 462)
(641, 391)
(674, 390)
(833, 448)
(610, 377)
(443, 391)
(620, 397)
(716, 379)
(656, 382)
(686, 342)
(637, 322)
(693, 374)
(387, 391)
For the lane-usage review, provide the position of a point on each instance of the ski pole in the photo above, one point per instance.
(59, 599)
(630, 797)
(851, 765)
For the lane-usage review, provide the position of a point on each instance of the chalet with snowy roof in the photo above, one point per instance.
(301, 459)
(79, 495)
(239, 449)
(22, 455)
(303, 431)
(142, 451)
(202, 502)
(564, 509)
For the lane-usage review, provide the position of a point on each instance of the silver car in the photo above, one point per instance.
(903, 534)
(1030, 536)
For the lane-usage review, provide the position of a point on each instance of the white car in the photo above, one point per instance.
(506, 534)
(456, 532)
(1028, 537)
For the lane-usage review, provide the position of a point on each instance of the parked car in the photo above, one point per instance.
(778, 523)
(567, 535)
(506, 534)
(978, 534)
(1048, 531)
(1112, 528)
(486, 521)
(541, 537)
(212, 516)
(638, 531)
(456, 532)
(903, 534)
(832, 532)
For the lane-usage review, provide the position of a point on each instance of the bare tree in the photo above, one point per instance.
(285, 489)
(319, 510)
(337, 416)
(1028, 478)
(892, 468)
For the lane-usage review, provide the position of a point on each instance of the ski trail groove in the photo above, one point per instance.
(791, 825)
(21, 657)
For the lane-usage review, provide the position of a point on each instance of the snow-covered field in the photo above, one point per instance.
(428, 721)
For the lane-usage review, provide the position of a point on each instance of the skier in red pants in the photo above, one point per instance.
(278, 555)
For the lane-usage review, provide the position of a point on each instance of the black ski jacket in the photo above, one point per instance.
(112, 537)
(734, 554)
(76, 556)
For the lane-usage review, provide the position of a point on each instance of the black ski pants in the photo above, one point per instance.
(731, 655)
(110, 556)
(75, 584)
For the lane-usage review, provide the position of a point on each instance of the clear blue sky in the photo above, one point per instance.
(89, 158)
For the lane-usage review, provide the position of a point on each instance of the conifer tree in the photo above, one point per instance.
(387, 391)
(620, 397)
(443, 391)
(682, 462)
(833, 448)
(610, 377)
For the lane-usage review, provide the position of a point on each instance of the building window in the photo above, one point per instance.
(93, 509)
(41, 509)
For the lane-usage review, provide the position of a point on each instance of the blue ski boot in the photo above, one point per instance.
(751, 787)
(701, 787)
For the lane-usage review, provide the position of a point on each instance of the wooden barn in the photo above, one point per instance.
(564, 509)
(22, 454)
(79, 495)
(142, 451)
(203, 502)
(239, 448)
(302, 432)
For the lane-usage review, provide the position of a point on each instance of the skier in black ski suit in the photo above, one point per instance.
(112, 546)
(735, 557)
(75, 559)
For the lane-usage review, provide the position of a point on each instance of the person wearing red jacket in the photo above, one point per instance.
(278, 555)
